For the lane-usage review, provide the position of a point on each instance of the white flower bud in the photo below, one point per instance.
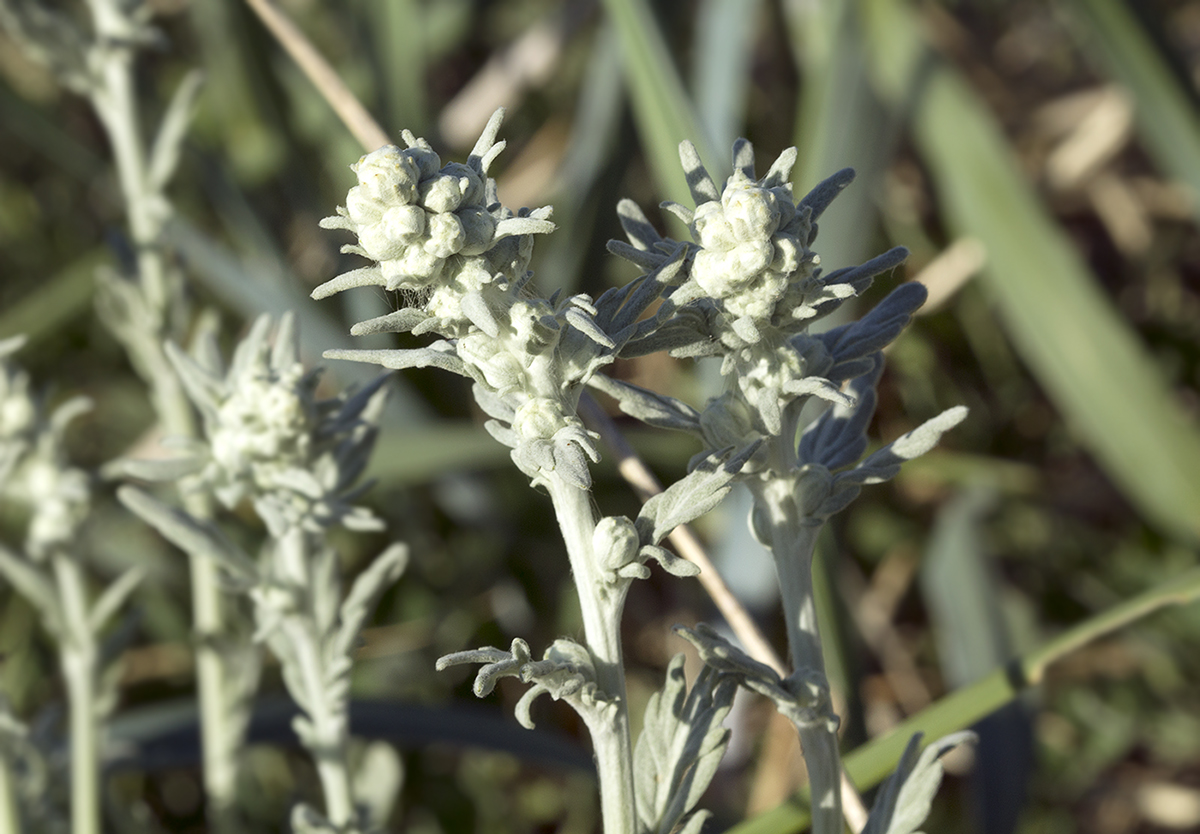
(362, 208)
(426, 161)
(446, 236)
(750, 212)
(442, 193)
(538, 419)
(710, 228)
(474, 192)
(615, 542)
(479, 227)
(388, 175)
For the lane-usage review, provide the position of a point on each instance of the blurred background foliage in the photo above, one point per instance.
(1041, 160)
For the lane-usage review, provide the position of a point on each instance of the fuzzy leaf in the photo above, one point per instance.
(437, 355)
(904, 799)
(681, 744)
(824, 193)
(839, 436)
(399, 321)
(196, 538)
(668, 561)
(34, 585)
(878, 328)
(653, 409)
(367, 276)
(365, 593)
(164, 155)
(115, 596)
(690, 497)
(159, 470)
(885, 463)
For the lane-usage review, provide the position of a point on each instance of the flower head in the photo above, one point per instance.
(267, 436)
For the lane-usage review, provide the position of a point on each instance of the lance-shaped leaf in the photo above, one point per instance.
(904, 799)
(364, 595)
(437, 355)
(691, 496)
(399, 321)
(194, 537)
(35, 586)
(681, 744)
(825, 191)
(885, 463)
(115, 596)
(164, 155)
(858, 278)
(877, 328)
(653, 409)
(839, 436)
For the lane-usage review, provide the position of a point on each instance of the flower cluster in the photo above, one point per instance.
(269, 438)
(33, 465)
(439, 235)
(753, 287)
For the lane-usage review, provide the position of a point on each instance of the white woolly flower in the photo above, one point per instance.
(750, 247)
(423, 223)
(268, 438)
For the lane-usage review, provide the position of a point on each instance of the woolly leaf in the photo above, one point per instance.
(196, 538)
(365, 593)
(690, 497)
(653, 409)
(35, 586)
(681, 744)
(114, 596)
(905, 797)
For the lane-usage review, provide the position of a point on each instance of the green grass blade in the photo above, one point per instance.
(721, 58)
(839, 124)
(1167, 122)
(873, 762)
(662, 107)
(1090, 361)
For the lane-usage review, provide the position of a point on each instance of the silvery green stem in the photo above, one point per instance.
(115, 102)
(601, 604)
(10, 812)
(327, 713)
(78, 657)
(793, 539)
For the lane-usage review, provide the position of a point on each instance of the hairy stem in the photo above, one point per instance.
(79, 658)
(793, 539)
(10, 812)
(115, 102)
(601, 605)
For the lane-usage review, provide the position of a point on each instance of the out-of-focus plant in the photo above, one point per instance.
(49, 569)
(269, 439)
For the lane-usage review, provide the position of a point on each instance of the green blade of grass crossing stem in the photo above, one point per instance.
(662, 108)
(1090, 361)
(870, 764)
(1166, 118)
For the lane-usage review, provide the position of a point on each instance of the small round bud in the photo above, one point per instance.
(615, 542)
(446, 236)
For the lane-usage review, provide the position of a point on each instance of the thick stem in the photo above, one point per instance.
(78, 657)
(601, 605)
(793, 539)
